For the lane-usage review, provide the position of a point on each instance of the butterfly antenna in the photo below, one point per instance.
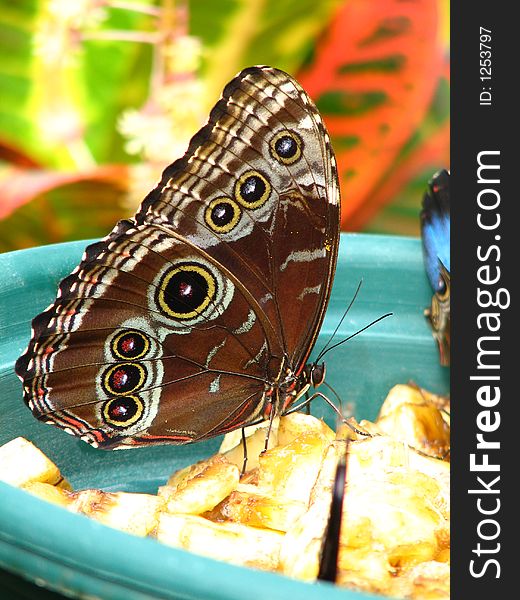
(340, 321)
(328, 569)
(323, 352)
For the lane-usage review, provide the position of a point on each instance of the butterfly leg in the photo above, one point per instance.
(244, 447)
(307, 404)
(304, 404)
(272, 415)
(307, 401)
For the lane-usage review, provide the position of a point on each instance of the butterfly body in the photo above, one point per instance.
(435, 231)
(198, 315)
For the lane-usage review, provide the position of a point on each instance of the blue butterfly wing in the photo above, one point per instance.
(435, 231)
(435, 228)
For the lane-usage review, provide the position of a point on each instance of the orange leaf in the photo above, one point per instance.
(19, 186)
(432, 155)
(373, 79)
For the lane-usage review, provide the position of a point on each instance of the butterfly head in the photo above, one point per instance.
(316, 374)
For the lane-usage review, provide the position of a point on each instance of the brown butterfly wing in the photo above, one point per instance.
(173, 327)
(283, 250)
(120, 353)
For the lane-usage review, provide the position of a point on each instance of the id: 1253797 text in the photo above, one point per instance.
(485, 66)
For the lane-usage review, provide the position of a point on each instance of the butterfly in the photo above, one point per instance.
(197, 316)
(435, 232)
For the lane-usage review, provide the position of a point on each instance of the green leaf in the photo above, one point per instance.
(349, 104)
(240, 33)
(16, 121)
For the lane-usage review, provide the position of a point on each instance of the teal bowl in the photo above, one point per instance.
(81, 558)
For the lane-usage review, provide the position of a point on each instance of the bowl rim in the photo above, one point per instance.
(39, 548)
